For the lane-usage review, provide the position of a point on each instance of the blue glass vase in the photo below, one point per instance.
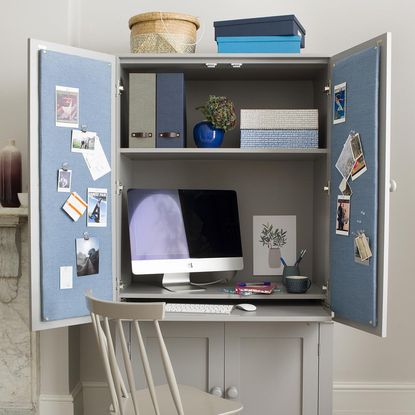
(207, 136)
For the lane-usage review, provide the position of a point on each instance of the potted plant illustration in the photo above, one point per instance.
(220, 117)
(274, 239)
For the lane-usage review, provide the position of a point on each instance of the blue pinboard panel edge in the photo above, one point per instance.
(353, 285)
(58, 233)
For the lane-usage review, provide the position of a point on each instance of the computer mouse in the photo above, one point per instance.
(246, 307)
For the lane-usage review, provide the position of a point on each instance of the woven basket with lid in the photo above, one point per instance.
(163, 32)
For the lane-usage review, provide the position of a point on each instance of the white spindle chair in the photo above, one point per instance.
(168, 399)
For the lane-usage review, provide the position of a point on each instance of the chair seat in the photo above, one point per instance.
(195, 402)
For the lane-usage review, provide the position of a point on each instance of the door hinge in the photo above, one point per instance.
(327, 188)
(236, 65)
(120, 87)
(119, 188)
(327, 88)
(211, 65)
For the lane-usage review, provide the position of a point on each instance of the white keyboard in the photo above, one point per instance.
(199, 308)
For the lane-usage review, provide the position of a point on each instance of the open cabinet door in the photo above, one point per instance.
(360, 103)
(70, 90)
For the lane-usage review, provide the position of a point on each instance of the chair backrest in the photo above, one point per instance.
(103, 311)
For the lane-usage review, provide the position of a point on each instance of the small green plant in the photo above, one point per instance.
(220, 111)
(272, 238)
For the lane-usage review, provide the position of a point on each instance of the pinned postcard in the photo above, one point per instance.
(339, 110)
(75, 206)
(97, 161)
(66, 278)
(87, 256)
(343, 215)
(345, 188)
(83, 141)
(359, 167)
(357, 257)
(346, 160)
(64, 180)
(67, 106)
(97, 207)
(363, 247)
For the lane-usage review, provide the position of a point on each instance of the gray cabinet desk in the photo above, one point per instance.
(277, 359)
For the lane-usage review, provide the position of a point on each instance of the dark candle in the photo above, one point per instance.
(10, 175)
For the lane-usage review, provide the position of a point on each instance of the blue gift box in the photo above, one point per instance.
(261, 26)
(259, 44)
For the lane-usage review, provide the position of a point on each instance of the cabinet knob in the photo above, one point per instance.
(217, 391)
(232, 392)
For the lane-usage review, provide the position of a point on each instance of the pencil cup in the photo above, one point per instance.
(290, 270)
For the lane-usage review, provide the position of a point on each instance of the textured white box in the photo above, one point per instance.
(271, 119)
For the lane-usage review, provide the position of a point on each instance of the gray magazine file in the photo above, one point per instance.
(142, 110)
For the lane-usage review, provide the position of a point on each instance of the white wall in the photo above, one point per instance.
(331, 27)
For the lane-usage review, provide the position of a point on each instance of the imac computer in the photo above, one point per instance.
(177, 232)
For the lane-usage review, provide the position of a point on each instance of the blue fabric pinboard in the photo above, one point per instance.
(58, 232)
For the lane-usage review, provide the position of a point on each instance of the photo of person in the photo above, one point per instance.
(64, 180)
(67, 107)
(87, 256)
(339, 110)
(97, 207)
(343, 215)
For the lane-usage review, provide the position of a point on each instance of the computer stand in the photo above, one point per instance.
(179, 283)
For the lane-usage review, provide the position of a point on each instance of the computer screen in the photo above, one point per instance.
(175, 231)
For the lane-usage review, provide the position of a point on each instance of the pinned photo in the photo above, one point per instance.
(359, 167)
(356, 145)
(64, 180)
(67, 107)
(87, 256)
(363, 247)
(339, 110)
(357, 258)
(74, 206)
(346, 161)
(97, 207)
(343, 215)
(83, 142)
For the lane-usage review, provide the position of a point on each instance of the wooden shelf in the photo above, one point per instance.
(222, 153)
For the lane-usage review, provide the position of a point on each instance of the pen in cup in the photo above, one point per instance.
(302, 253)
